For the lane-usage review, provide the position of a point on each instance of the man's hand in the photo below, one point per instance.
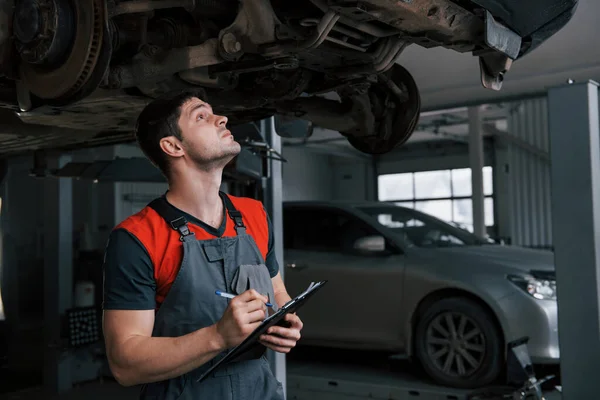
(281, 339)
(243, 315)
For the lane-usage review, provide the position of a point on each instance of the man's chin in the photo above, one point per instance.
(232, 151)
(235, 148)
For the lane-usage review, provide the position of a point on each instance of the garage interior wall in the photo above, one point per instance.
(523, 165)
(22, 267)
(312, 175)
(430, 156)
(22, 290)
(354, 179)
(98, 207)
(23, 218)
(131, 197)
(22, 264)
(306, 175)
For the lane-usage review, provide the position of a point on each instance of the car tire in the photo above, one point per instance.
(477, 342)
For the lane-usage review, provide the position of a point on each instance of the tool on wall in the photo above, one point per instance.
(262, 149)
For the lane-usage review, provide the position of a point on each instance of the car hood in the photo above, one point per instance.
(492, 256)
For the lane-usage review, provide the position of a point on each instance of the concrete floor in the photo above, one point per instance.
(89, 391)
(113, 391)
(345, 375)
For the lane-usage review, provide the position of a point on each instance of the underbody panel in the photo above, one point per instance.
(87, 68)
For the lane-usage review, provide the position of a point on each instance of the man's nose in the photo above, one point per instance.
(221, 121)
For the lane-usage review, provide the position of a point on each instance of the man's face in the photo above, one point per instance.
(206, 139)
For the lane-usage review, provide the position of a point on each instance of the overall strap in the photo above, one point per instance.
(234, 214)
(172, 217)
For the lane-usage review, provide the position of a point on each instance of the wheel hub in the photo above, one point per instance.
(43, 30)
(455, 344)
(28, 21)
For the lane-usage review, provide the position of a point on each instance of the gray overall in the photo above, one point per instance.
(231, 264)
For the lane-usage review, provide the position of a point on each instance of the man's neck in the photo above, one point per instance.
(197, 193)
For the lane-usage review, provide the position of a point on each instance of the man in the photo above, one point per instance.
(163, 323)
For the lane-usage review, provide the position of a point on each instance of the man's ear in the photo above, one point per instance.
(171, 146)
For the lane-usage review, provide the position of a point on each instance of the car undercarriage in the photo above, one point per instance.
(76, 73)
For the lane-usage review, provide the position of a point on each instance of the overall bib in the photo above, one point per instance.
(230, 264)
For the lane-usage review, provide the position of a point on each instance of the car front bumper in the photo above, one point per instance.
(522, 315)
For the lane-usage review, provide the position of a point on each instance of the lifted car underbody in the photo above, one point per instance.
(75, 73)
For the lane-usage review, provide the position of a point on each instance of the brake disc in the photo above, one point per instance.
(71, 75)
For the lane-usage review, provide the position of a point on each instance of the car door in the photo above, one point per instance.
(362, 299)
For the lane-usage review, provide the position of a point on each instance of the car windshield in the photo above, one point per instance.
(419, 229)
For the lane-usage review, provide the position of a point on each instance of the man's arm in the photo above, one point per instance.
(135, 356)
(281, 294)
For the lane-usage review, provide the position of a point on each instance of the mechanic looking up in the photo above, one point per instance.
(163, 323)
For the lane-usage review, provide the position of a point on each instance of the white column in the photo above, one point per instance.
(476, 164)
(273, 204)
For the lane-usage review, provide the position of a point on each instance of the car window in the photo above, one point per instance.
(418, 231)
(317, 229)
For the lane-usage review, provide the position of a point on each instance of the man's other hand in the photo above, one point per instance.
(283, 339)
(243, 315)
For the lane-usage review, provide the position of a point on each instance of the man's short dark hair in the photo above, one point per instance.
(159, 119)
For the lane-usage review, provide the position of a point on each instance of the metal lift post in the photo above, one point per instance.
(273, 198)
(575, 157)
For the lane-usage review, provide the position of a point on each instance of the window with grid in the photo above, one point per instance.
(446, 194)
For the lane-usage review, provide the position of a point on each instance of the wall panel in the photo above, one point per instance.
(524, 167)
(307, 175)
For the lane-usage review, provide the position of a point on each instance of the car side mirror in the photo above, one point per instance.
(370, 244)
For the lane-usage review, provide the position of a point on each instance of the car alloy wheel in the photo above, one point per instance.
(455, 344)
(459, 343)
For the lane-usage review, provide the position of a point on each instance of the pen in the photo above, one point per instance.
(231, 296)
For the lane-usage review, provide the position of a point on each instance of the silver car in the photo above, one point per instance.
(406, 282)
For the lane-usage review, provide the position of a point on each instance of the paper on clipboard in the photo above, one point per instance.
(274, 319)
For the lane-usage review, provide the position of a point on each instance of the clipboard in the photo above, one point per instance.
(276, 318)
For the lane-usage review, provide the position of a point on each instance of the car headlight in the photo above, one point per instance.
(540, 287)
